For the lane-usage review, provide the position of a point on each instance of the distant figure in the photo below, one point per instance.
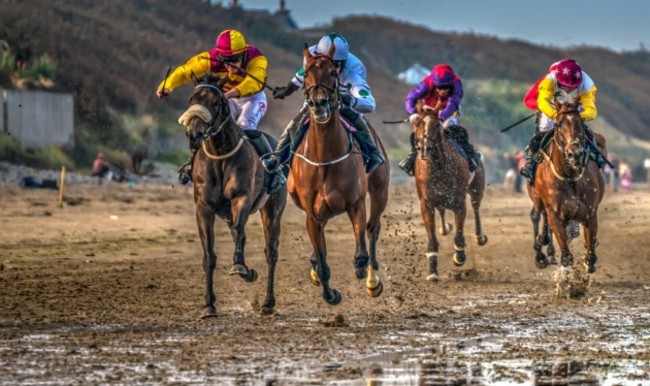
(612, 173)
(441, 91)
(101, 167)
(625, 172)
(520, 159)
(646, 165)
(510, 166)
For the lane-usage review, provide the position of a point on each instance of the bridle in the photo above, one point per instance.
(426, 135)
(563, 147)
(332, 93)
(210, 131)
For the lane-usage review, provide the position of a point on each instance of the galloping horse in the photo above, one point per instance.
(569, 186)
(442, 178)
(328, 178)
(228, 182)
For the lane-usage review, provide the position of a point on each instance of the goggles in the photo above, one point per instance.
(230, 59)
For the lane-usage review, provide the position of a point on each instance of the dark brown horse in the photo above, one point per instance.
(443, 180)
(328, 179)
(228, 183)
(545, 236)
(569, 186)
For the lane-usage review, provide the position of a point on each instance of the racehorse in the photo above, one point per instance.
(569, 186)
(328, 179)
(443, 179)
(228, 182)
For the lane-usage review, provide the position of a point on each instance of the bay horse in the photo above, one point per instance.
(328, 178)
(569, 185)
(228, 183)
(443, 180)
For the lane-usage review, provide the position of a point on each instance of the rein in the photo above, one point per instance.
(319, 164)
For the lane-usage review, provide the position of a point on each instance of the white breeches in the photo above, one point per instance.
(248, 111)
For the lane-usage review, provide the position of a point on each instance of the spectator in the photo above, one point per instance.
(101, 168)
(646, 165)
(625, 171)
(519, 160)
(613, 176)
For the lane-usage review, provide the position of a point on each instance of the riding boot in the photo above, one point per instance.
(532, 159)
(185, 171)
(273, 181)
(289, 139)
(371, 154)
(592, 148)
(408, 163)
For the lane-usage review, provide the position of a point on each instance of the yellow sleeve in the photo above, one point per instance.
(199, 65)
(545, 98)
(588, 101)
(256, 68)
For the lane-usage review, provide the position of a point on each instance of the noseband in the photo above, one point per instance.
(209, 133)
(329, 91)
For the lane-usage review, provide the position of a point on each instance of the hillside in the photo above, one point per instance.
(112, 53)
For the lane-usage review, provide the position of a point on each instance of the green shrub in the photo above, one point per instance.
(42, 66)
(176, 158)
(9, 147)
(54, 157)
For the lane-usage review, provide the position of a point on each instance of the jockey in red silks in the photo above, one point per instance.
(565, 82)
(442, 92)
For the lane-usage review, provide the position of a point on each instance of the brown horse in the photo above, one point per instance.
(569, 186)
(443, 179)
(328, 179)
(545, 236)
(228, 182)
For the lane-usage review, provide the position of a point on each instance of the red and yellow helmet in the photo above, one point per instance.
(230, 43)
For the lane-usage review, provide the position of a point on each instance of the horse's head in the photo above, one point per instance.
(207, 106)
(321, 84)
(427, 131)
(570, 134)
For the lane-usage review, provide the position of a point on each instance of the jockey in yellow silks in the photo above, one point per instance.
(244, 89)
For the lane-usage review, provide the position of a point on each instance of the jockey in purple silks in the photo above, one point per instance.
(441, 91)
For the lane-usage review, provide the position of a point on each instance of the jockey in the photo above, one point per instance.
(564, 82)
(442, 92)
(244, 89)
(355, 97)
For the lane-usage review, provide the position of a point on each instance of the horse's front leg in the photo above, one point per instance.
(591, 241)
(240, 210)
(316, 231)
(481, 238)
(205, 222)
(365, 266)
(459, 239)
(540, 257)
(558, 228)
(427, 211)
(445, 227)
(271, 216)
(550, 249)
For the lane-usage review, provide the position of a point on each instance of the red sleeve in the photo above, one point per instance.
(530, 99)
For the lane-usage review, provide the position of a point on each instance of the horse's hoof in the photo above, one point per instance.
(459, 258)
(266, 310)
(335, 297)
(590, 263)
(361, 273)
(375, 292)
(313, 277)
(541, 262)
(481, 240)
(238, 269)
(251, 277)
(552, 260)
(209, 312)
(432, 277)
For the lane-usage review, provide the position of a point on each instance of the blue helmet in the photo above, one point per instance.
(342, 49)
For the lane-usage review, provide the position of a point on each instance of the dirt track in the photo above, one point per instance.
(109, 289)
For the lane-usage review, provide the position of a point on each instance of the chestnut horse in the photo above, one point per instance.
(228, 183)
(569, 186)
(328, 179)
(443, 179)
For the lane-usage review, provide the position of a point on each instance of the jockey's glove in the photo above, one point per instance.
(348, 100)
(413, 117)
(283, 92)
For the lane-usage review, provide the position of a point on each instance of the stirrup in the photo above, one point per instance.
(407, 165)
(184, 175)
